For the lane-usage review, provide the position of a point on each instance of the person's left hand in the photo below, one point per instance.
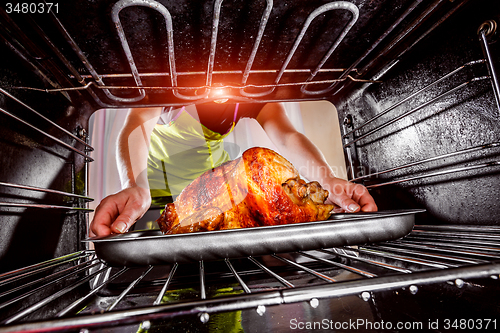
(349, 197)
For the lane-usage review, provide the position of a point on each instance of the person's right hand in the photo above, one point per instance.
(118, 212)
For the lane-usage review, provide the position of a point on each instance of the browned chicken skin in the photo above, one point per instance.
(258, 189)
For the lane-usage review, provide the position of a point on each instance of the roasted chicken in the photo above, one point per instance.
(260, 188)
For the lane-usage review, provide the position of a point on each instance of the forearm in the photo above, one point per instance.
(307, 158)
(133, 146)
(310, 161)
(131, 156)
(118, 212)
(295, 146)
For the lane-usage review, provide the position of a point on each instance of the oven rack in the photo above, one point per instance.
(84, 154)
(55, 125)
(451, 254)
(352, 135)
(361, 136)
(386, 41)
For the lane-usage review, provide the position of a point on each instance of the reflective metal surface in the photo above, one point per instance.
(276, 292)
(151, 247)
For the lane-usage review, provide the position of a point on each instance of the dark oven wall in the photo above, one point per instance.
(456, 114)
(35, 154)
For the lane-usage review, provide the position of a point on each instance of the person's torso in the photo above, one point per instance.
(188, 141)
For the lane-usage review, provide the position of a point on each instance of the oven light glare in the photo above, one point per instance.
(220, 95)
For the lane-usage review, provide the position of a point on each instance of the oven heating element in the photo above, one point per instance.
(351, 73)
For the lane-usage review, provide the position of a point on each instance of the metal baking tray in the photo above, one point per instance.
(151, 247)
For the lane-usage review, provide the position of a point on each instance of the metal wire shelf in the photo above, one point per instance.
(420, 258)
(352, 136)
(87, 148)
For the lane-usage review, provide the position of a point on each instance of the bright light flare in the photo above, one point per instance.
(220, 95)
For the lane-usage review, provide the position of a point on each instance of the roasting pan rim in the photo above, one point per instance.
(334, 218)
(130, 249)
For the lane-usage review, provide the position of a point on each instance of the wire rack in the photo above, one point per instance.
(428, 255)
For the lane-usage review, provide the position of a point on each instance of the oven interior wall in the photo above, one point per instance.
(465, 118)
(27, 157)
(36, 55)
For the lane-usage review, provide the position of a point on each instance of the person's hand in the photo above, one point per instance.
(350, 197)
(118, 212)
